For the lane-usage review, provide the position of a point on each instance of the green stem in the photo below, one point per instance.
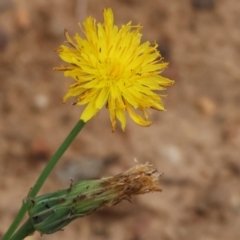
(43, 176)
(25, 230)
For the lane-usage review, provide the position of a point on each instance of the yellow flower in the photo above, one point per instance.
(112, 68)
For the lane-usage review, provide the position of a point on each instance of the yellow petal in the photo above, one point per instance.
(102, 98)
(89, 111)
(136, 118)
(108, 17)
(121, 117)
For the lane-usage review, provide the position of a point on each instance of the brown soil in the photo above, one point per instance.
(196, 143)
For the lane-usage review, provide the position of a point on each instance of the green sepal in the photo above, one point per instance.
(51, 212)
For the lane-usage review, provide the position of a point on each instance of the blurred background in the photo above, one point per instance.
(195, 143)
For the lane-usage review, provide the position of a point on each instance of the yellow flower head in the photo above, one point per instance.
(112, 68)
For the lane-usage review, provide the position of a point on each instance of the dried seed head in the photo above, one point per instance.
(139, 179)
(51, 212)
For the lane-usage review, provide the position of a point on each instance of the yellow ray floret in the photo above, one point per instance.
(112, 68)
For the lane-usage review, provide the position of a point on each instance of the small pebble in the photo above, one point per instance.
(41, 101)
(23, 19)
(172, 153)
(206, 106)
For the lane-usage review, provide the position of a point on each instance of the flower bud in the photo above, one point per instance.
(51, 212)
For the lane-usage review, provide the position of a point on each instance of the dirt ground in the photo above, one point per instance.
(195, 143)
